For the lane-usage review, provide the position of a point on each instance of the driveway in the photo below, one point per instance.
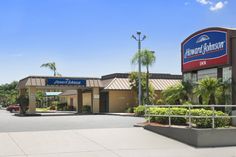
(90, 136)
(11, 123)
(110, 142)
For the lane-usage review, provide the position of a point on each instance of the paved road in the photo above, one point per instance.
(11, 123)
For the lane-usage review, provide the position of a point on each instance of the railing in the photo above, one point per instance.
(189, 116)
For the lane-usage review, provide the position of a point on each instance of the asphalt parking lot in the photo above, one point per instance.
(11, 123)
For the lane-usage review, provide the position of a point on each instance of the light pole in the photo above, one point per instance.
(139, 39)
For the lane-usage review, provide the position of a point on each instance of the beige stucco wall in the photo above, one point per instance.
(75, 102)
(95, 100)
(120, 100)
(87, 99)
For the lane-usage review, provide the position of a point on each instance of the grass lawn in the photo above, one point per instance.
(42, 109)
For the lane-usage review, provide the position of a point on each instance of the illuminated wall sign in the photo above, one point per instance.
(206, 49)
(65, 81)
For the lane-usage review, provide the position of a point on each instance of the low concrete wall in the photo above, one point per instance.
(234, 119)
(198, 137)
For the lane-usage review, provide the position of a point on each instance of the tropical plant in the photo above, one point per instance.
(188, 90)
(52, 67)
(133, 79)
(23, 101)
(208, 88)
(223, 93)
(147, 59)
(176, 94)
(40, 98)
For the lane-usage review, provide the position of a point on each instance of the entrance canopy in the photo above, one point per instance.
(47, 82)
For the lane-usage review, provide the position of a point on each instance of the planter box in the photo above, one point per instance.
(198, 137)
(234, 119)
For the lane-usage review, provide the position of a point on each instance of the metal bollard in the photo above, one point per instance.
(169, 116)
(189, 116)
(213, 117)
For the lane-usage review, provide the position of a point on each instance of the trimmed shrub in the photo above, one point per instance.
(166, 111)
(86, 109)
(70, 108)
(139, 110)
(52, 107)
(130, 110)
(199, 122)
(61, 106)
(207, 122)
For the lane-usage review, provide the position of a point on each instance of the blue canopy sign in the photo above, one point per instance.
(66, 81)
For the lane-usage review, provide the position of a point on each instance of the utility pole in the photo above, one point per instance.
(139, 39)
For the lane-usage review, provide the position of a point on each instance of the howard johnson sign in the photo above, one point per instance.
(205, 49)
(66, 81)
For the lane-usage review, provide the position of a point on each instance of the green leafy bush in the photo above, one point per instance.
(139, 110)
(199, 122)
(86, 109)
(130, 110)
(61, 106)
(207, 122)
(167, 111)
(52, 107)
(160, 102)
(24, 103)
(70, 108)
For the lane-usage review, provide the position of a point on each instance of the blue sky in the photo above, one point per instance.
(93, 37)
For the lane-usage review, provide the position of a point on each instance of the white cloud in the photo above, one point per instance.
(217, 6)
(204, 2)
(213, 6)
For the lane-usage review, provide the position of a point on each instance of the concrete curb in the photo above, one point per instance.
(198, 137)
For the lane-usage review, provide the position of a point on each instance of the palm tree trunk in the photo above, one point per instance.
(147, 85)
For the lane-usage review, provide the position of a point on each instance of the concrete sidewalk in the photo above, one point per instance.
(112, 142)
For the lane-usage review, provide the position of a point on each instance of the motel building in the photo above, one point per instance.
(211, 52)
(110, 93)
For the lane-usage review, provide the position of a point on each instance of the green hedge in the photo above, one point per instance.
(207, 122)
(61, 106)
(166, 111)
(139, 110)
(86, 109)
(198, 122)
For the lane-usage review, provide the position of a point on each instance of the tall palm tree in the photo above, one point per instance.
(147, 59)
(51, 66)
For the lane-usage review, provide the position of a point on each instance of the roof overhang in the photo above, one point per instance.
(42, 82)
